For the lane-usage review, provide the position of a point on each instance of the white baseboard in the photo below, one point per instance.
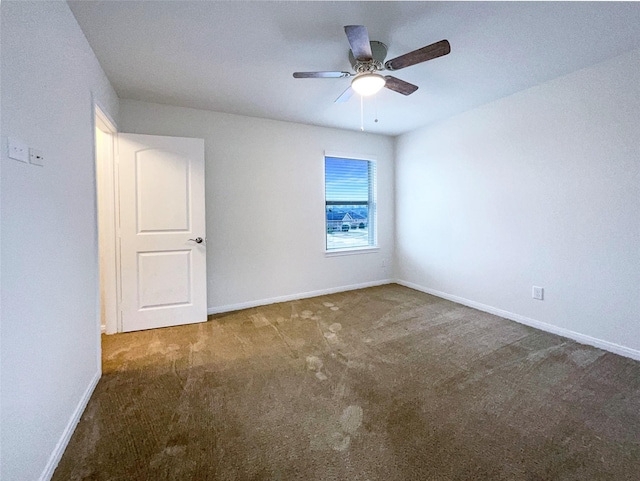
(57, 453)
(294, 297)
(543, 326)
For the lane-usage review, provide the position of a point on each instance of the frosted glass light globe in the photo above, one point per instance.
(368, 83)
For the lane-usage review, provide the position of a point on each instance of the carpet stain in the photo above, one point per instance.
(585, 357)
(314, 363)
(351, 419)
(331, 337)
(175, 450)
(340, 441)
(117, 352)
(259, 320)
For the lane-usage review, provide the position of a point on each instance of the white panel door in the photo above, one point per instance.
(162, 231)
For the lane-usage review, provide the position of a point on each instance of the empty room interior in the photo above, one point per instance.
(320, 240)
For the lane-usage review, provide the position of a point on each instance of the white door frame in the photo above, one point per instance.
(107, 215)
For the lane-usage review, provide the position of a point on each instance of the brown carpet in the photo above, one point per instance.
(385, 383)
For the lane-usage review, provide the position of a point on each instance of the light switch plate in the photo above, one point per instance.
(18, 150)
(36, 157)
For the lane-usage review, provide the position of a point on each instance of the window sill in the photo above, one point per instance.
(348, 252)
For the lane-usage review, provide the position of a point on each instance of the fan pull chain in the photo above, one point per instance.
(375, 108)
(362, 113)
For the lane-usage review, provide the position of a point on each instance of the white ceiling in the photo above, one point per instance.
(238, 57)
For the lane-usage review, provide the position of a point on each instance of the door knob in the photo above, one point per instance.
(197, 240)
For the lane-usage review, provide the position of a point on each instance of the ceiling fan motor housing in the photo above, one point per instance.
(378, 52)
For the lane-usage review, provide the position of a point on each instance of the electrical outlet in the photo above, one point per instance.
(18, 150)
(36, 157)
(538, 293)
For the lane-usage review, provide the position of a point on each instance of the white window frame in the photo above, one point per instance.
(372, 205)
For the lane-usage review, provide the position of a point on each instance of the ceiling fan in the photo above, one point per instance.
(367, 59)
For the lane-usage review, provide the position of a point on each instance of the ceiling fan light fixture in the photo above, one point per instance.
(368, 83)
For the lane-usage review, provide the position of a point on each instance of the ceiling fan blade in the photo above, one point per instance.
(423, 54)
(344, 96)
(321, 74)
(400, 86)
(359, 41)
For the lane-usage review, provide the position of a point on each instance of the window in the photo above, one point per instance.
(350, 203)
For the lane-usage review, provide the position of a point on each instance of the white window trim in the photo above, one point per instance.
(353, 250)
(371, 249)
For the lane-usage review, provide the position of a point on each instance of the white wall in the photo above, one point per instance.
(265, 202)
(50, 347)
(539, 188)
